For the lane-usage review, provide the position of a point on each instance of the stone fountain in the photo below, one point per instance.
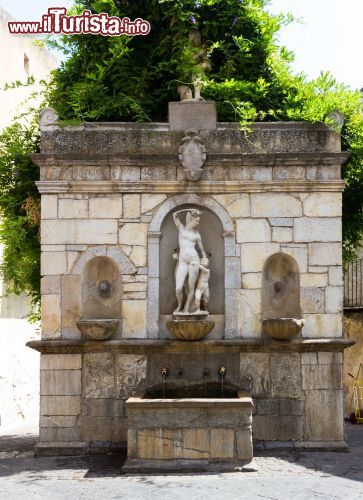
(159, 233)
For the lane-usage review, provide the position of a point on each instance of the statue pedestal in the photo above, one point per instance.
(192, 115)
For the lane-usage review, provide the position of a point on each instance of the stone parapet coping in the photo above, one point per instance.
(216, 346)
(202, 187)
(164, 126)
(156, 159)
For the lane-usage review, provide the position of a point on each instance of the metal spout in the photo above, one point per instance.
(222, 371)
(164, 372)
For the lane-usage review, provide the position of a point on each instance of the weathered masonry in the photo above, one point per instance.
(271, 227)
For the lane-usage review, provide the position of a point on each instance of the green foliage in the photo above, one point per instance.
(20, 210)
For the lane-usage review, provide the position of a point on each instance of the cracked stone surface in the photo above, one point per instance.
(275, 476)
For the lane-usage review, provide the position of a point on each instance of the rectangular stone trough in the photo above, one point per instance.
(178, 430)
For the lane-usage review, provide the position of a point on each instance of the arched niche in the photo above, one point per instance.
(163, 239)
(211, 231)
(280, 288)
(87, 267)
(101, 289)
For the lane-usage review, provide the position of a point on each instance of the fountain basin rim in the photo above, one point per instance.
(138, 400)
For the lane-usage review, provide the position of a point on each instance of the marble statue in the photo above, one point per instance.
(192, 273)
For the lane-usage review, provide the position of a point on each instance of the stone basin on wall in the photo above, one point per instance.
(97, 329)
(183, 428)
(282, 328)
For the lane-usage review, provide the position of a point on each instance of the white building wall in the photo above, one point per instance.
(19, 365)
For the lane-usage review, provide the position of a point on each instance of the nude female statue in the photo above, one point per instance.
(188, 261)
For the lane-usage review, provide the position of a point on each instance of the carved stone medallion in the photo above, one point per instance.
(192, 155)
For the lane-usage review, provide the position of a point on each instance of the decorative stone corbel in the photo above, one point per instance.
(47, 118)
(336, 118)
(192, 155)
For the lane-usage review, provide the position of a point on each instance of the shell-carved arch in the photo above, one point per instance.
(232, 270)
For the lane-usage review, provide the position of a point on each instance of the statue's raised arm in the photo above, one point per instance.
(177, 221)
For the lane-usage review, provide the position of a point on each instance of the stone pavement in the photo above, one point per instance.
(277, 476)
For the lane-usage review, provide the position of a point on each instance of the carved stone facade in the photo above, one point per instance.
(106, 192)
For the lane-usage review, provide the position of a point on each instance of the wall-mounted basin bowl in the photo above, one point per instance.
(190, 329)
(97, 329)
(282, 328)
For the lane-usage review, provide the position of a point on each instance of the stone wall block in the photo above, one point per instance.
(133, 233)
(125, 173)
(253, 230)
(275, 205)
(138, 256)
(255, 373)
(72, 209)
(285, 375)
(50, 285)
(49, 206)
(327, 376)
(251, 280)
(313, 280)
(267, 406)
(51, 316)
(327, 358)
(99, 378)
(281, 221)
(150, 201)
(53, 263)
(312, 300)
(159, 444)
(58, 421)
(61, 361)
(60, 382)
(195, 443)
(232, 277)
(320, 404)
(248, 313)
(97, 429)
(327, 254)
(73, 231)
(309, 358)
(335, 275)
(60, 405)
(237, 205)
(323, 205)
(334, 299)
(131, 206)
(59, 434)
(322, 325)
(131, 373)
(244, 445)
(317, 229)
(222, 443)
(134, 318)
(71, 305)
(108, 206)
(278, 427)
(282, 234)
(291, 407)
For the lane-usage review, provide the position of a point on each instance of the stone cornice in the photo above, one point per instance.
(216, 346)
(201, 187)
(159, 159)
